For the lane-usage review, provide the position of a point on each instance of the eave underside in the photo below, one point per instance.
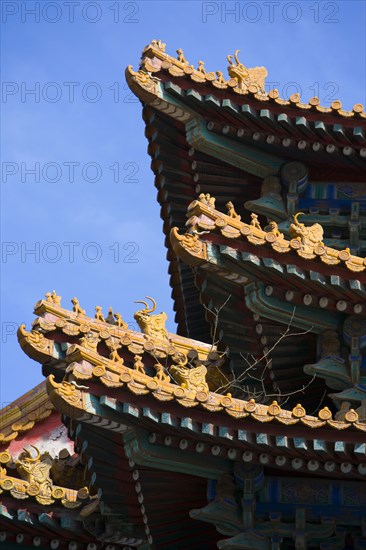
(182, 171)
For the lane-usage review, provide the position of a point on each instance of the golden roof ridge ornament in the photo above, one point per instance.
(147, 310)
(28, 457)
(309, 238)
(39, 344)
(190, 388)
(53, 297)
(151, 325)
(35, 480)
(159, 44)
(246, 78)
(243, 80)
(306, 241)
(76, 307)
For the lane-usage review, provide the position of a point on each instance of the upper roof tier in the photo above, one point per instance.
(241, 80)
(240, 115)
(174, 86)
(229, 137)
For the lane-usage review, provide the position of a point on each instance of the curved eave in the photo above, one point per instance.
(211, 419)
(157, 62)
(258, 290)
(24, 413)
(56, 326)
(180, 168)
(241, 263)
(344, 132)
(148, 91)
(223, 229)
(82, 402)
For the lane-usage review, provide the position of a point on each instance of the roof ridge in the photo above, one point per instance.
(23, 413)
(306, 241)
(242, 80)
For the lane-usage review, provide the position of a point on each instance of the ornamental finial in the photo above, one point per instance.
(151, 325)
(247, 78)
(158, 44)
(76, 307)
(53, 298)
(181, 58)
(99, 314)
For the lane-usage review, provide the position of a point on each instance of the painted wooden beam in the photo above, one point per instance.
(244, 157)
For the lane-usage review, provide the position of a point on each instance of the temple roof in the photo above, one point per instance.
(244, 114)
(34, 443)
(55, 338)
(208, 134)
(43, 497)
(103, 381)
(30, 485)
(238, 427)
(242, 81)
(23, 413)
(114, 366)
(298, 282)
(154, 413)
(66, 395)
(204, 219)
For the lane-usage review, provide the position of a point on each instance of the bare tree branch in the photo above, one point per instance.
(253, 362)
(216, 313)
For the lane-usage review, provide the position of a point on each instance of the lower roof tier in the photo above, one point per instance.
(98, 369)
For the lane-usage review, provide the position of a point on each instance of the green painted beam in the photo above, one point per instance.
(338, 130)
(303, 125)
(194, 95)
(244, 157)
(359, 134)
(212, 101)
(284, 120)
(248, 111)
(140, 450)
(228, 105)
(321, 129)
(174, 89)
(273, 264)
(358, 287)
(268, 117)
(317, 277)
(305, 318)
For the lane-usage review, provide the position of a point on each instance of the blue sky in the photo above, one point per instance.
(88, 211)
